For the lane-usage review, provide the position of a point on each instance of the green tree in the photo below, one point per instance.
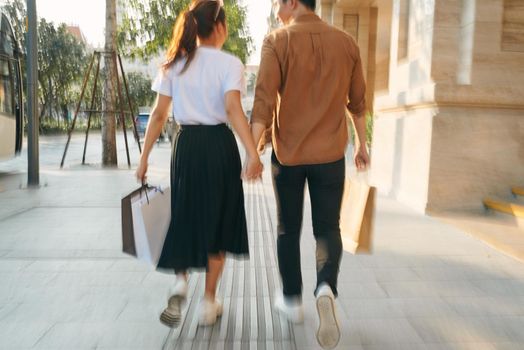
(61, 58)
(140, 91)
(147, 26)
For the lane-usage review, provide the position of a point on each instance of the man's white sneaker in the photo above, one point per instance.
(209, 311)
(172, 314)
(291, 309)
(328, 334)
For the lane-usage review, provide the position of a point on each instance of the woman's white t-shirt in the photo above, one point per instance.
(198, 94)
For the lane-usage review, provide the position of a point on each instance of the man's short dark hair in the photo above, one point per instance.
(311, 4)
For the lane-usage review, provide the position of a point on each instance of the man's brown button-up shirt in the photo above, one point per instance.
(310, 73)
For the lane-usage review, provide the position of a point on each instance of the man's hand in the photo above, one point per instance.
(361, 158)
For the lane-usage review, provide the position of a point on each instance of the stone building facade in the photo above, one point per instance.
(446, 86)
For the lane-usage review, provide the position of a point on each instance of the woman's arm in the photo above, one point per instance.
(154, 128)
(253, 167)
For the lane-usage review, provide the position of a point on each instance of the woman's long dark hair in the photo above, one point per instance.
(196, 22)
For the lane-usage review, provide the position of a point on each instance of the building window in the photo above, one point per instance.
(403, 29)
(351, 25)
(6, 87)
(513, 26)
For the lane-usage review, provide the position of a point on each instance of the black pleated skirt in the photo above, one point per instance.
(207, 198)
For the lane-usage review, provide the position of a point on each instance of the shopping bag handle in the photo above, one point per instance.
(145, 187)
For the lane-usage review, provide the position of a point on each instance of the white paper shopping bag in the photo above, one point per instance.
(151, 218)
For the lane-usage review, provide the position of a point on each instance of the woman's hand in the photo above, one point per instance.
(141, 172)
(361, 158)
(253, 168)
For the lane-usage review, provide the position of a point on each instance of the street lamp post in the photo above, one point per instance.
(32, 96)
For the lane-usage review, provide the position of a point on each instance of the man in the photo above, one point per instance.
(311, 72)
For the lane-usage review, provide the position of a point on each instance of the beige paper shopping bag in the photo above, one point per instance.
(357, 216)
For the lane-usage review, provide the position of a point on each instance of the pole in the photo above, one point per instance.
(33, 179)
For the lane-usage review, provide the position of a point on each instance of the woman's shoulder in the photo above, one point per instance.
(232, 58)
(172, 70)
(227, 58)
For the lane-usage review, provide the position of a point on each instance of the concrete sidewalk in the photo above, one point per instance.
(64, 283)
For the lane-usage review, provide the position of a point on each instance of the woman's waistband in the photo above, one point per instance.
(202, 126)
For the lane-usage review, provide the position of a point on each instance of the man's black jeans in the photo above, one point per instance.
(326, 188)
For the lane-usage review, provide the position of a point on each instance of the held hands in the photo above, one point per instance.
(253, 168)
(361, 158)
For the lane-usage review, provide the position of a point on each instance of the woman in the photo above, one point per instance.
(208, 217)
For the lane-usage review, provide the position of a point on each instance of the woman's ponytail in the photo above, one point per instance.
(184, 42)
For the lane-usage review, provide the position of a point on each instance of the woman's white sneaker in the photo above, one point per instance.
(328, 334)
(209, 311)
(172, 314)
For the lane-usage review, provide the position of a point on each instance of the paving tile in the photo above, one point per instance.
(6, 309)
(508, 287)
(440, 274)
(459, 329)
(509, 346)
(144, 312)
(384, 332)
(403, 346)
(361, 290)
(425, 307)
(69, 265)
(69, 336)
(513, 326)
(82, 311)
(356, 275)
(409, 289)
(93, 279)
(21, 335)
(487, 306)
(456, 288)
(134, 335)
(136, 294)
(13, 265)
(396, 275)
(45, 294)
(461, 346)
(37, 253)
(492, 329)
(371, 308)
(130, 265)
(20, 280)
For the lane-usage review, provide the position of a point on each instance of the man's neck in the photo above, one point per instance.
(300, 11)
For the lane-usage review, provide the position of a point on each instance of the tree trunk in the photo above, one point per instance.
(109, 156)
(50, 106)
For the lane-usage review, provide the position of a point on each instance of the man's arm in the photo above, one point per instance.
(357, 108)
(268, 83)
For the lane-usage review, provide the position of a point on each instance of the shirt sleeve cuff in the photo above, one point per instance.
(261, 120)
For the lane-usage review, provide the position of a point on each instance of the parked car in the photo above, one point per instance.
(141, 125)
